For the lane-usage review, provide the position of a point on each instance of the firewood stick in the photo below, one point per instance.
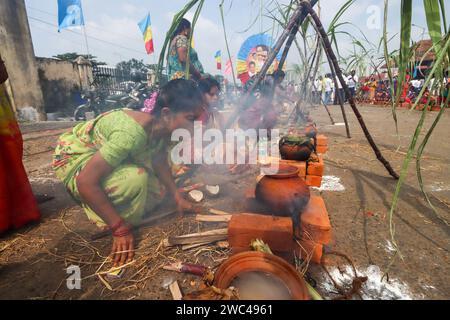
(205, 233)
(194, 240)
(219, 212)
(175, 291)
(210, 218)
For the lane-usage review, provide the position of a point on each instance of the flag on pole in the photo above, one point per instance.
(146, 28)
(218, 57)
(70, 14)
(229, 68)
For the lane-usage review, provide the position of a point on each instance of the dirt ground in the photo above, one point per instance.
(33, 260)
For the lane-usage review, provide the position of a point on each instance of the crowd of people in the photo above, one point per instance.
(324, 89)
(374, 89)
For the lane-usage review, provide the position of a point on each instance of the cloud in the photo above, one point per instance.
(130, 9)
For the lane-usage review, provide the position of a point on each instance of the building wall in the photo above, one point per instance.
(16, 49)
(62, 83)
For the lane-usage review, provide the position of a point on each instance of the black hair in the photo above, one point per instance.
(264, 47)
(183, 25)
(252, 62)
(178, 95)
(279, 75)
(205, 85)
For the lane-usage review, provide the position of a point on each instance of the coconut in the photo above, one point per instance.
(196, 196)
(212, 191)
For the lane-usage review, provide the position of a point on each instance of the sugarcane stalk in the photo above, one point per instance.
(289, 42)
(341, 103)
(339, 98)
(328, 49)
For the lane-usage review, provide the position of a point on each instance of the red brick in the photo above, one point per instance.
(309, 250)
(277, 232)
(420, 107)
(301, 165)
(313, 181)
(322, 149)
(315, 222)
(322, 140)
(316, 168)
(435, 108)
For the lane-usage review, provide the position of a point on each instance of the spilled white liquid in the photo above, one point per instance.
(331, 183)
(439, 187)
(374, 288)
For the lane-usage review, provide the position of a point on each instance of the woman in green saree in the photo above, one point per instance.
(116, 165)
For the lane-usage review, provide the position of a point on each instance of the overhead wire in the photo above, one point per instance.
(90, 37)
(137, 39)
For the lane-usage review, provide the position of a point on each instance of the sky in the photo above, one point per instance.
(113, 34)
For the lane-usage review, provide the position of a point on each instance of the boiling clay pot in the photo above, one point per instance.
(294, 147)
(284, 193)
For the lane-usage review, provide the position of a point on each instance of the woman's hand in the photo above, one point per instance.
(123, 247)
(182, 204)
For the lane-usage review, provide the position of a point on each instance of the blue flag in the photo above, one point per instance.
(70, 14)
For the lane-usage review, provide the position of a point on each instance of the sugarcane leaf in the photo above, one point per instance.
(433, 14)
(387, 58)
(340, 12)
(405, 43)
(444, 18)
(436, 66)
(420, 153)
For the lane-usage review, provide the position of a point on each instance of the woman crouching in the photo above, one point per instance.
(116, 166)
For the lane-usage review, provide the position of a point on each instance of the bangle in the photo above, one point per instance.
(117, 225)
(122, 233)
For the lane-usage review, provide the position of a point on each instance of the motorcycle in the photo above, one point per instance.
(137, 97)
(98, 102)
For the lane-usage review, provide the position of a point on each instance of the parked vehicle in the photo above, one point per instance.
(98, 102)
(137, 96)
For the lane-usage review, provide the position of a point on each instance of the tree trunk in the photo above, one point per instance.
(327, 45)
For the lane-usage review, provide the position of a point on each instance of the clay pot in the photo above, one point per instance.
(296, 148)
(284, 193)
(261, 262)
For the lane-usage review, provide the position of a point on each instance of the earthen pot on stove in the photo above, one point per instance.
(296, 147)
(284, 193)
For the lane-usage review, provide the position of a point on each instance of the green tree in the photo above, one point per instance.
(71, 56)
(134, 65)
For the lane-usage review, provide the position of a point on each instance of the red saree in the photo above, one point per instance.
(17, 203)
